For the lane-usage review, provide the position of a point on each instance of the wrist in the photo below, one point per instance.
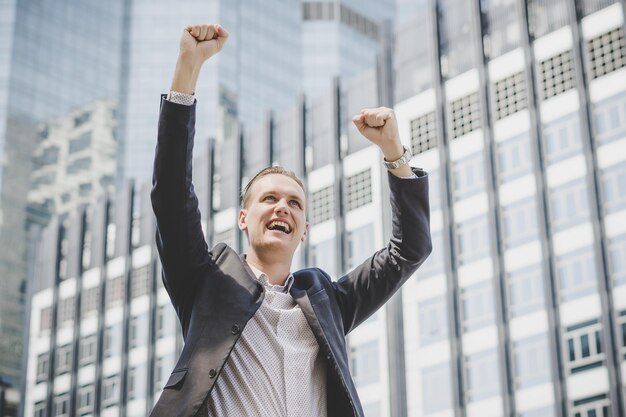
(393, 152)
(185, 75)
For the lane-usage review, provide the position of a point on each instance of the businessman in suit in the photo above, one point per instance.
(261, 340)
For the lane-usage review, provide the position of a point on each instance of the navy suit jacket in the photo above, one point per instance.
(215, 293)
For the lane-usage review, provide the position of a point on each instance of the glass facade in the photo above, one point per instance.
(526, 271)
(40, 81)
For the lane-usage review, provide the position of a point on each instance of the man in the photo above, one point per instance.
(259, 340)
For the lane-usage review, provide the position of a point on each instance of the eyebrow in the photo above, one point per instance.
(293, 196)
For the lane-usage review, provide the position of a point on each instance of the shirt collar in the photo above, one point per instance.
(262, 277)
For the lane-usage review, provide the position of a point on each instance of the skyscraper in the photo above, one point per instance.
(39, 79)
(519, 116)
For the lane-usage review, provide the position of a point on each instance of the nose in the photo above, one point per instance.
(281, 207)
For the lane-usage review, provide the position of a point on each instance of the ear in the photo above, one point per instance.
(241, 221)
(306, 230)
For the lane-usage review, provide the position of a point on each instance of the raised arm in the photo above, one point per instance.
(365, 289)
(180, 241)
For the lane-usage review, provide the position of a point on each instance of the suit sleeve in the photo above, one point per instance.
(182, 248)
(366, 288)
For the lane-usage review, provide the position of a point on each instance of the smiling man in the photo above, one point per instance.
(261, 340)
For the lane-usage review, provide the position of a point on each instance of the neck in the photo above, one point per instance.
(277, 271)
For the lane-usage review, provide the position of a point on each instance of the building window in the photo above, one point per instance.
(132, 384)
(433, 265)
(557, 74)
(364, 363)
(584, 346)
(372, 409)
(47, 156)
(481, 373)
(323, 10)
(464, 115)
(66, 310)
(80, 143)
(468, 176)
(605, 53)
(513, 157)
(87, 350)
(561, 138)
(110, 391)
(576, 274)
(423, 133)
(617, 259)
(545, 16)
(110, 238)
(532, 363)
(520, 222)
(115, 292)
(436, 390)
(359, 189)
(63, 359)
(79, 164)
(614, 188)
(622, 325)
(477, 306)
(324, 256)
(509, 95)
(138, 331)
(434, 190)
(160, 322)
(112, 340)
(525, 290)
(539, 412)
(596, 406)
(89, 301)
(43, 367)
(322, 205)
(40, 409)
(472, 239)
(82, 118)
(609, 118)
(160, 373)
(140, 284)
(433, 320)
(569, 205)
(360, 244)
(61, 405)
(45, 319)
(85, 399)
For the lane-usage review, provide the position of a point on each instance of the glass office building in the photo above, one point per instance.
(53, 59)
(517, 109)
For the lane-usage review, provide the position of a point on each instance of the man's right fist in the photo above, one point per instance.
(200, 42)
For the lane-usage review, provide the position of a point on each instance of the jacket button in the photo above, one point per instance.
(212, 373)
(235, 329)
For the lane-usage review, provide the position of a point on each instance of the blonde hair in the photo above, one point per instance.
(268, 171)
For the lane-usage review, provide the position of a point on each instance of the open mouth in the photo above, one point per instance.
(280, 226)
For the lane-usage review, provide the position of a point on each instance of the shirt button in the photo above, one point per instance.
(235, 329)
(212, 373)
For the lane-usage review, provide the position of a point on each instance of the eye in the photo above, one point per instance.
(269, 198)
(295, 203)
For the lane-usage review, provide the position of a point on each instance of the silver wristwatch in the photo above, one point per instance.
(403, 160)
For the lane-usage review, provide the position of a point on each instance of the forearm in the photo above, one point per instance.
(186, 74)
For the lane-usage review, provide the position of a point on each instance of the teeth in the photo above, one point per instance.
(284, 225)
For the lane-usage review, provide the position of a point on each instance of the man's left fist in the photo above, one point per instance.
(379, 126)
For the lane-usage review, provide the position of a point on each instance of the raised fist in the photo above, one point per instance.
(200, 42)
(379, 126)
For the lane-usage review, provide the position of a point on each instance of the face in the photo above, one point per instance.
(274, 218)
